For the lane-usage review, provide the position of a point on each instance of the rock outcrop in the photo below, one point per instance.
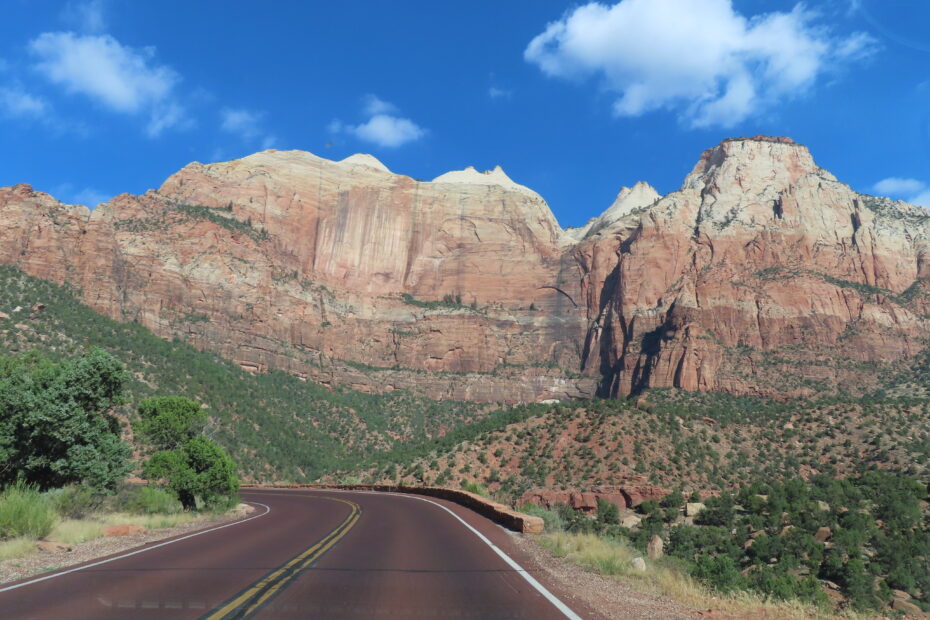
(762, 274)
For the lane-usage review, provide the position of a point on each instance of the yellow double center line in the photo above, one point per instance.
(249, 600)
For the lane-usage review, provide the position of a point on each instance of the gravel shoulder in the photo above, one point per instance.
(611, 597)
(40, 561)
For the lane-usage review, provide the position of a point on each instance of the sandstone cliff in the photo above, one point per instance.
(763, 273)
(761, 267)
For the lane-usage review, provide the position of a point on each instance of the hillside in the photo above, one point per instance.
(763, 274)
(694, 442)
(276, 426)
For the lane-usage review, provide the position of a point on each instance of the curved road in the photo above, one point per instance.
(308, 554)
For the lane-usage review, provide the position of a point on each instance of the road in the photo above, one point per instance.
(308, 554)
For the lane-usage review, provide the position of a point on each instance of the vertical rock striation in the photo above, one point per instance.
(762, 274)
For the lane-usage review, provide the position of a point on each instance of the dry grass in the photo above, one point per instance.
(149, 522)
(16, 548)
(665, 577)
(73, 531)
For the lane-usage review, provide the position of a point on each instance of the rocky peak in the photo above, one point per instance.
(741, 164)
(629, 199)
(495, 177)
(364, 159)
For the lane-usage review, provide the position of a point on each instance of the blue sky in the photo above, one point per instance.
(574, 100)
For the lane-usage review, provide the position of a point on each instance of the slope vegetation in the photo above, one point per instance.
(275, 425)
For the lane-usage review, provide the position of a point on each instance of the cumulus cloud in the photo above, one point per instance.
(386, 130)
(246, 124)
(910, 190)
(374, 106)
(17, 103)
(384, 127)
(119, 77)
(699, 57)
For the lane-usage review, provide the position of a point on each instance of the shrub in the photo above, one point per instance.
(607, 513)
(720, 572)
(74, 502)
(553, 522)
(474, 487)
(24, 511)
(148, 500)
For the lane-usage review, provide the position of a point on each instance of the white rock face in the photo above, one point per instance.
(364, 159)
(629, 199)
(470, 176)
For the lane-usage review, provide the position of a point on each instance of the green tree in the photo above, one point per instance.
(607, 513)
(190, 465)
(168, 422)
(56, 421)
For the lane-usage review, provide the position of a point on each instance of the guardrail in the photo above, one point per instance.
(499, 513)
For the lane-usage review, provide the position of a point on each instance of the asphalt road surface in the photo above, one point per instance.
(308, 554)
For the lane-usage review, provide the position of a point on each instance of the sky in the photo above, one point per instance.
(572, 99)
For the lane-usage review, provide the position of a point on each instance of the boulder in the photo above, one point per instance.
(635, 496)
(585, 502)
(693, 508)
(823, 534)
(638, 564)
(51, 546)
(123, 530)
(630, 521)
(544, 498)
(906, 607)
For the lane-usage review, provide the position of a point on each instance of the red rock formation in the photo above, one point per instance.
(622, 497)
(762, 274)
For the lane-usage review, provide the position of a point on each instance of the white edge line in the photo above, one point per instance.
(137, 551)
(552, 598)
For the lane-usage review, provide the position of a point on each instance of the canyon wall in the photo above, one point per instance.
(762, 274)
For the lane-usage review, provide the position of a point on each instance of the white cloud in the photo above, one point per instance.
(121, 78)
(240, 122)
(69, 194)
(910, 190)
(383, 128)
(896, 186)
(15, 102)
(375, 106)
(85, 16)
(700, 57)
(386, 130)
(922, 199)
(247, 125)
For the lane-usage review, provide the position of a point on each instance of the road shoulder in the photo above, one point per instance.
(40, 562)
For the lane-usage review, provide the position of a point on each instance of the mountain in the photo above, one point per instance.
(762, 275)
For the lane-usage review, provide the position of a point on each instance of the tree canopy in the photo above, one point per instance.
(189, 464)
(56, 422)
